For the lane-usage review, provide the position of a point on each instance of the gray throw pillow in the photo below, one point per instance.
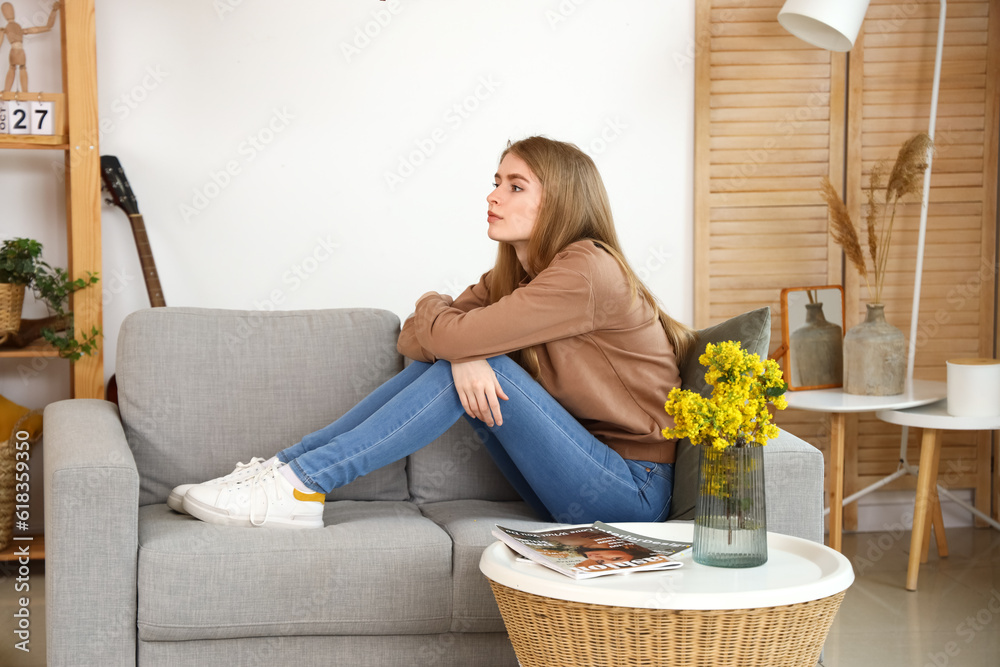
(753, 331)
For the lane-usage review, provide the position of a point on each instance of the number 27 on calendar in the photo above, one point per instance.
(22, 117)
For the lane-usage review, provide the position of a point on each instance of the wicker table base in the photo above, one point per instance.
(548, 632)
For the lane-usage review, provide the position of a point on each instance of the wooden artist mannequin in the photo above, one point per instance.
(15, 35)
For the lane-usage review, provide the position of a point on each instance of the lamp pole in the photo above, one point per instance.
(925, 203)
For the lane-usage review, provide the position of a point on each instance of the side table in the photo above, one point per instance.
(838, 404)
(775, 614)
(933, 419)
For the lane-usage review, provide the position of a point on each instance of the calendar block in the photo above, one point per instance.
(18, 117)
(42, 116)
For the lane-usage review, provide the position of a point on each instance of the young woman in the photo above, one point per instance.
(559, 355)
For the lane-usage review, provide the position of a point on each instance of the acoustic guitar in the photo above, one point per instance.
(122, 196)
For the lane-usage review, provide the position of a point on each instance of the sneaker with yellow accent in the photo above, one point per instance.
(175, 500)
(265, 500)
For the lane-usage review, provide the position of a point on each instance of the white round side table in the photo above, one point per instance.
(838, 404)
(932, 419)
(777, 613)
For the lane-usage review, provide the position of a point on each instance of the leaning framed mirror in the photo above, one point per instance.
(812, 336)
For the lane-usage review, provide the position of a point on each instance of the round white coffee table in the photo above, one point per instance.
(724, 616)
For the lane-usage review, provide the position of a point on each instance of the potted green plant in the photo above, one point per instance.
(16, 272)
(22, 268)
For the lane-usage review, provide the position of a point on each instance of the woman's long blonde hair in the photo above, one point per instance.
(574, 207)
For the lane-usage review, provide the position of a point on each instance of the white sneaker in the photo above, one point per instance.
(175, 500)
(266, 499)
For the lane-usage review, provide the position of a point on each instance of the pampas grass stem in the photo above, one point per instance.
(905, 178)
(843, 231)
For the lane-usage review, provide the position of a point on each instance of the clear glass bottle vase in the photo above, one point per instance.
(730, 525)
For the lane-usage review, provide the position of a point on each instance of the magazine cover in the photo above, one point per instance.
(591, 550)
(656, 545)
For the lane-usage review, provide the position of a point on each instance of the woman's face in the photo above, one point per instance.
(513, 203)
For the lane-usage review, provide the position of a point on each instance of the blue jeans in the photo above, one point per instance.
(563, 472)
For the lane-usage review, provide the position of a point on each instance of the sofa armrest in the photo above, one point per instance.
(91, 488)
(793, 475)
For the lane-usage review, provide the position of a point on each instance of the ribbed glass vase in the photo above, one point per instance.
(730, 525)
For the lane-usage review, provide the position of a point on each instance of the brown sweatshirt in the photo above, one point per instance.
(602, 354)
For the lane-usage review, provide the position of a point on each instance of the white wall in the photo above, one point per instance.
(260, 138)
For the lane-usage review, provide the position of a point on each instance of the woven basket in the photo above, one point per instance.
(550, 633)
(11, 302)
(8, 465)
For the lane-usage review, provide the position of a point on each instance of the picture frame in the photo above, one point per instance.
(812, 336)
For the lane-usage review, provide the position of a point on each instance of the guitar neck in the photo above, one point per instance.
(149, 274)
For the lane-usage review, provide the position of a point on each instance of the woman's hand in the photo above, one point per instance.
(442, 297)
(479, 391)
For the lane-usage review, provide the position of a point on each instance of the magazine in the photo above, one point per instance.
(592, 550)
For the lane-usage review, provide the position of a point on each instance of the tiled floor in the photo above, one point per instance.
(952, 620)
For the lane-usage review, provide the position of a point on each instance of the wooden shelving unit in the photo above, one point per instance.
(77, 136)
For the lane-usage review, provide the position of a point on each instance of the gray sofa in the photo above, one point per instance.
(392, 579)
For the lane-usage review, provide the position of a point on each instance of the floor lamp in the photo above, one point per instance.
(834, 26)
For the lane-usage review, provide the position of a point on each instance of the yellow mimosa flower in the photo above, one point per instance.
(737, 412)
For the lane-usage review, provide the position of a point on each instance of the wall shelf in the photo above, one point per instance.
(38, 348)
(57, 142)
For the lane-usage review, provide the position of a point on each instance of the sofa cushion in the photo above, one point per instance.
(457, 466)
(376, 568)
(470, 523)
(201, 389)
(753, 330)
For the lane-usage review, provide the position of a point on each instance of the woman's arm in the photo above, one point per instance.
(474, 296)
(408, 345)
(558, 303)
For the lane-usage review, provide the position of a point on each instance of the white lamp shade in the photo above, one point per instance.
(829, 24)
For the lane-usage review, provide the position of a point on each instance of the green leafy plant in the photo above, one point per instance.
(18, 261)
(21, 263)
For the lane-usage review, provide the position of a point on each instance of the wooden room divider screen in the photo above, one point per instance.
(773, 115)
